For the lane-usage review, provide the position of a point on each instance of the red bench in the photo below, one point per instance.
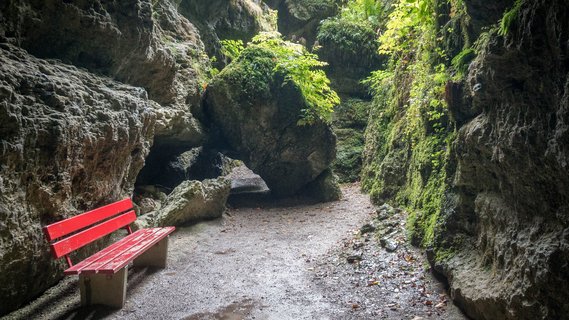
(102, 276)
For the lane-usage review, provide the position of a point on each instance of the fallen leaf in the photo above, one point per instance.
(372, 282)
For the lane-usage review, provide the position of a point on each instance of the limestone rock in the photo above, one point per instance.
(299, 20)
(167, 167)
(324, 188)
(509, 202)
(134, 41)
(257, 117)
(192, 201)
(70, 141)
(222, 19)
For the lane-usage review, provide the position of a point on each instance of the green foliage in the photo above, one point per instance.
(410, 27)
(307, 9)
(509, 17)
(461, 61)
(304, 69)
(350, 120)
(373, 12)
(355, 38)
(252, 70)
(232, 48)
(268, 54)
(408, 138)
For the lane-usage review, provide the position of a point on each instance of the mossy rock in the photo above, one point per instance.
(256, 111)
(350, 121)
(351, 50)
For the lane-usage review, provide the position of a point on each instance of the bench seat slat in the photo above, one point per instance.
(119, 254)
(132, 252)
(78, 222)
(132, 238)
(127, 242)
(87, 236)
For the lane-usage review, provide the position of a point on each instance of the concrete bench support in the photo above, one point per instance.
(156, 256)
(107, 289)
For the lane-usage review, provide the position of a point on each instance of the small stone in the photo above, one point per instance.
(367, 228)
(354, 258)
(389, 244)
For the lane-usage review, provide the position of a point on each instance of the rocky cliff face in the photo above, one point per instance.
(222, 19)
(71, 141)
(493, 210)
(509, 199)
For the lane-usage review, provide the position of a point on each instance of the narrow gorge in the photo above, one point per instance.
(452, 115)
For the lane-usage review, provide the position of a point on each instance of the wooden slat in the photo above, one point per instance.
(148, 235)
(87, 236)
(109, 251)
(78, 222)
(131, 253)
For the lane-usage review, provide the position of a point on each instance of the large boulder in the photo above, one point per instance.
(139, 42)
(256, 111)
(190, 201)
(167, 167)
(70, 141)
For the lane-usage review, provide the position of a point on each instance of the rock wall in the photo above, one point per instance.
(509, 199)
(70, 141)
(299, 20)
(490, 201)
(222, 19)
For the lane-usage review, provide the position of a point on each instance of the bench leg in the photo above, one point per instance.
(155, 256)
(106, 289)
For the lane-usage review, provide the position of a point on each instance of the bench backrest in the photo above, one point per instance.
(75, 232)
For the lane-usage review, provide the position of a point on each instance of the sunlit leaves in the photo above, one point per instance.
(304, 70)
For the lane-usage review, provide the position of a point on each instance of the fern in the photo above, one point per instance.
(304, 69)
(460, 61)
(509, 17)
(232, 48)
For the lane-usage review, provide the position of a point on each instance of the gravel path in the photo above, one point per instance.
(272, 263)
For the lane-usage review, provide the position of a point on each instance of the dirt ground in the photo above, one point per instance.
(274, 262)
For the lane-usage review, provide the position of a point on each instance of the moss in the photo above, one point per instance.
(348, 163)
(349, 38)
(308, 9)
(253, 72)
(461, 61)
(268, 58)
(352, 113)
(408, 137)
(509, 17)
(350, 120)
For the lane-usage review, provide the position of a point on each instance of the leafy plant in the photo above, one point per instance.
(370, 11)
(350, 38)
(304, 69)
(409, 131)
(297, 65)
(509, 17)
(460, 61)
(232, 48)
